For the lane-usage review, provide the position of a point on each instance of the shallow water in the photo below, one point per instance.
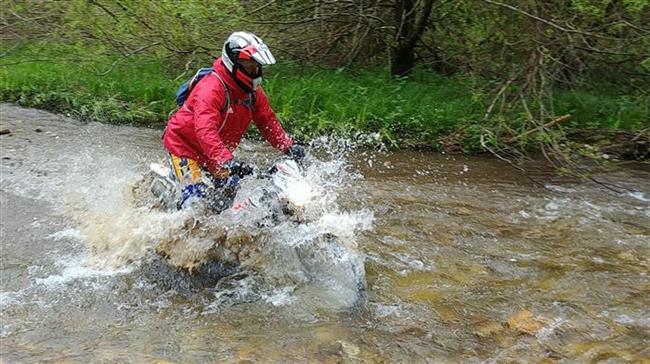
(466, 260)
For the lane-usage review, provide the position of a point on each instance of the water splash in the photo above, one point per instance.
(317, 247)
(93, 183)
(74, 268)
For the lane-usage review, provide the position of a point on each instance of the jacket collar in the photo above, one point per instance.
(223, 72)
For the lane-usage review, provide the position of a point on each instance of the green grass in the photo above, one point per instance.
(418, 110)
(87, 84)
(308, 101)
(604, 109)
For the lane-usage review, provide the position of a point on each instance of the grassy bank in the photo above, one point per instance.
(88, 85)
(309, 101)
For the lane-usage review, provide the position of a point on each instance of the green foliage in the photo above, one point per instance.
(70, 80)
(310, 101)
(417, 110)
(606, 109)
(181, 32)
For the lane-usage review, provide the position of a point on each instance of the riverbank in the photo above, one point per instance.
(421, 111)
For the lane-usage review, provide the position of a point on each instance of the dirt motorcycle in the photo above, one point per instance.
(281, 198)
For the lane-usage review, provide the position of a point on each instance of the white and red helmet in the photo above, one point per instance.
(245, 45)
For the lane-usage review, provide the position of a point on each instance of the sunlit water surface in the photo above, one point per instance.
(466, 260)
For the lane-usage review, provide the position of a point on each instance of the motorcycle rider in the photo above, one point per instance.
(202, 135)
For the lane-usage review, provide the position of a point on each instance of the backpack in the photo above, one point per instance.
(187, 87)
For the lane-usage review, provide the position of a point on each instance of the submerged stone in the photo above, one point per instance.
(487, 328)
(524, 321)
(596, 351)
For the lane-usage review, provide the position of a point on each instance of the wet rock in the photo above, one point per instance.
(330, 353)
(627, 256)
(524, 322)
(415, 331)
(350, 350)
(443, 238)
(246, 354)
(485, 327)
(340, 351)
(5, 132)
(504, 341)
(447, 313)
(461, 211)
(38, 130)
(599, 351)
(550, 360)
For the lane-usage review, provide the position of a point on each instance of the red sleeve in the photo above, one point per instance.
(209, 99)
(268, 124)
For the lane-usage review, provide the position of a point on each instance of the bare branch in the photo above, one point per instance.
(545, 21)
(120, 60)
(260, 8)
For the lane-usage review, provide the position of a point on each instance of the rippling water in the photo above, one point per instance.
(466, 260)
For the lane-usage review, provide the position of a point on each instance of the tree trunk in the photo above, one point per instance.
(410, 22)
(402, 61)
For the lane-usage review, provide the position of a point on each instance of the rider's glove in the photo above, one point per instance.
(237, 168)
(296, 152)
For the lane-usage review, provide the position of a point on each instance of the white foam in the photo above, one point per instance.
(598, 260)
(416, 264)
(73, 269)
(5, 331)
(627, 320)
(639, 196)
(67, 234)
(280, 297)
(346, 224)
(8, 298)
(552, 206)
(551, 328)
(556, 188)
(382, 310)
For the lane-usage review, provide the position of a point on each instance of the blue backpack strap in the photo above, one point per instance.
(186, 88)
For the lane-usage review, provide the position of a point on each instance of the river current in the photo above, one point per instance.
(466, 259)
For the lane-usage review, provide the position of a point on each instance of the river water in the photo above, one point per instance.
(466, 260)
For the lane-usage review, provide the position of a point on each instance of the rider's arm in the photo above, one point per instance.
(209, 100)
(268, 124)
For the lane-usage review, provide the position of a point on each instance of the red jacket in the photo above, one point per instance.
(203, 130)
